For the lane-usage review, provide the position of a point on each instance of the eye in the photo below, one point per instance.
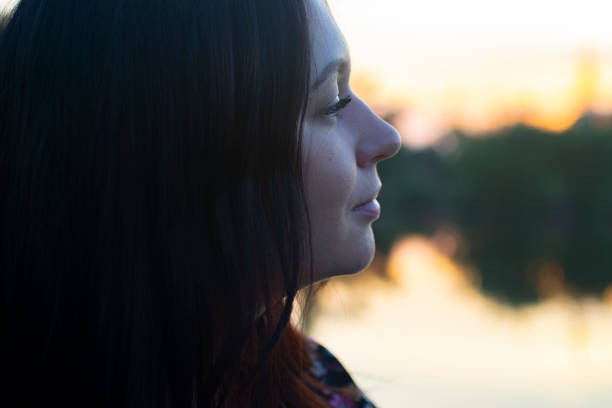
(332, 111)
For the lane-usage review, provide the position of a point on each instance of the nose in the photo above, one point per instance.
(379, 140)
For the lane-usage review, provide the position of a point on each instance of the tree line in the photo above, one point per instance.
(520, 199)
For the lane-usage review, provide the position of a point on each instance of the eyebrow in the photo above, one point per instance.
(332, 67)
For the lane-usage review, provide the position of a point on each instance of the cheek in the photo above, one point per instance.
(329, 178)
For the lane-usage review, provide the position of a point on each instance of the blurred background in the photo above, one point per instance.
(492, 281)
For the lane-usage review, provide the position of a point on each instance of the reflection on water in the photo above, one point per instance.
(428, 338)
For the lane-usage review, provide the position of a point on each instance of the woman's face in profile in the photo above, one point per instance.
(343, 142)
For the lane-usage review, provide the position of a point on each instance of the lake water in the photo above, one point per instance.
(428, 338)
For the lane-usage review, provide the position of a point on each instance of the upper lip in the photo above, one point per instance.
(371, 196)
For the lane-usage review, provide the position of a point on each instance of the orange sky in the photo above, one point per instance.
(479, 64)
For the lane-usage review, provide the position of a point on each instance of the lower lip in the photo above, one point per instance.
(371, 209)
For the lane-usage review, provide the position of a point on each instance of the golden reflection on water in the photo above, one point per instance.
(427, 337)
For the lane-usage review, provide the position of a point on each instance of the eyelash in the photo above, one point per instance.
(333, 110)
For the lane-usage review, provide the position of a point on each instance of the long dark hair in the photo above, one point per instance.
(151, 195)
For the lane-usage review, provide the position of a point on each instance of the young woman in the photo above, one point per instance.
(172, 173)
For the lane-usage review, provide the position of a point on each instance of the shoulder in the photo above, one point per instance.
(342, 392)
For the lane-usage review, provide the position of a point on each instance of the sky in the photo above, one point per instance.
(479, 64)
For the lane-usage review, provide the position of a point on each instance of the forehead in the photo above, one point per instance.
(328, 43)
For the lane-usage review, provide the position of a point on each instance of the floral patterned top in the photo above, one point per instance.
(342, 391)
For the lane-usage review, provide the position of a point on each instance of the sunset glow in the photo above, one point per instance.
(479, 65)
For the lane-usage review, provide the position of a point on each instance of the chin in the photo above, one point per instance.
(365, 257)
(344, 257)
(364, 251)
(357, 257)
(349, 266)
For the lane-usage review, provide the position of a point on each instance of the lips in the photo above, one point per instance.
(370, 208)
(363, 203)
(372, 197)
